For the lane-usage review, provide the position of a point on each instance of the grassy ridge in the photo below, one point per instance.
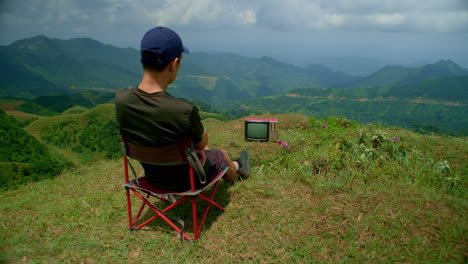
(342, 193)
(89, 134)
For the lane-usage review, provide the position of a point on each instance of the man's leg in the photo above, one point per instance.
(231, 174)
(219, 159)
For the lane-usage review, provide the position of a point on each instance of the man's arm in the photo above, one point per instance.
(203, 142)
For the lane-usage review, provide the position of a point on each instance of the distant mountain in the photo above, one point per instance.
(328, 78)
(239, 77)
(358, 66)
(443, 89)
(42, 66)
(400, 75)
(439, 69)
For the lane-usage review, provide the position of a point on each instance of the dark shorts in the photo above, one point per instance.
(176, 178)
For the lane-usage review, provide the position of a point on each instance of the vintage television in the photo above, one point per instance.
(261, 129)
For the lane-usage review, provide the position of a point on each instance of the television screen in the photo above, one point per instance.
(257, 131)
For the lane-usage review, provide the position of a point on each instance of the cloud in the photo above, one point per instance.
(196, 13)
(121, 19)
(364, 15)
(384, 15)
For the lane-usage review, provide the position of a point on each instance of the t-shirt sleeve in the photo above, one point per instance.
(196, 126)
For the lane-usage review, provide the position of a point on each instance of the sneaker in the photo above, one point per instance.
(244, 165)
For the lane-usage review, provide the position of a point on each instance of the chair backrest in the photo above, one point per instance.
(173, 154)
(178, 153)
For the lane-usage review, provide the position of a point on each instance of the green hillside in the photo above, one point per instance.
(90, 134)
(343, 193)
(439, 103)
(442, 89)
(22, 158)
(449, 118)
(39, 66)
(17, 80)
(450, 88)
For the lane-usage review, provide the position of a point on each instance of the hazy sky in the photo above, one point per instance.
(290, 30)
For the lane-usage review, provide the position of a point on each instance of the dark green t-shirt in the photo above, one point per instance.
(159, 119)
(156, 119)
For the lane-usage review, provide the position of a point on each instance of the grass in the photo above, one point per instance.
(326, 200)
(22, 116)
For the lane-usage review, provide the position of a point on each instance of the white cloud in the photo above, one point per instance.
(247, 17)
(387, 19)
(363, 15)
(322, 15)
(205, 13)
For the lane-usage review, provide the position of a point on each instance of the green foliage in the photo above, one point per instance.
(449, 118)
(373, 148)
(91, 131)
(22, 158)
(332, 146)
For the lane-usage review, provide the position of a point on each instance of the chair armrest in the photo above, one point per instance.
(196, 165)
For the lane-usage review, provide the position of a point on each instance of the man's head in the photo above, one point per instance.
(160, 46)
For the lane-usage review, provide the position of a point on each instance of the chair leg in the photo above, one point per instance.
(142, 207)
(210, 202)
(129, 209)
(196, 232)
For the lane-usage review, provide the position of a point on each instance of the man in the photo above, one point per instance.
(148, 115)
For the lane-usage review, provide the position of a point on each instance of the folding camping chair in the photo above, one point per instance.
(180, 153)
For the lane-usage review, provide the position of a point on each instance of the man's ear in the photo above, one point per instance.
(174, 64)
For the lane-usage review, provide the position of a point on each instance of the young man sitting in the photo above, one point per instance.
(147, 115)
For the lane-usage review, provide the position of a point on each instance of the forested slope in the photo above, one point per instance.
(23, 158)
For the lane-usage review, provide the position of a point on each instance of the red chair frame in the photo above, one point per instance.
(141, 187)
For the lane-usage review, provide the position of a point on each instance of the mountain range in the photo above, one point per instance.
(41, 66)
(53, 75)
(401, 75)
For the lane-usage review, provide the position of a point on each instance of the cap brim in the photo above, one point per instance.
(187, 50)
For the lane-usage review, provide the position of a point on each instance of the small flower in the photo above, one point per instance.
(395, 139)
(324, 126)
(283, 144)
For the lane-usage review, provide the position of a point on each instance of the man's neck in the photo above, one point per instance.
(153, 83)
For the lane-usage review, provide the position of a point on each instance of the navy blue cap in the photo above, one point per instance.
(160, 45)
